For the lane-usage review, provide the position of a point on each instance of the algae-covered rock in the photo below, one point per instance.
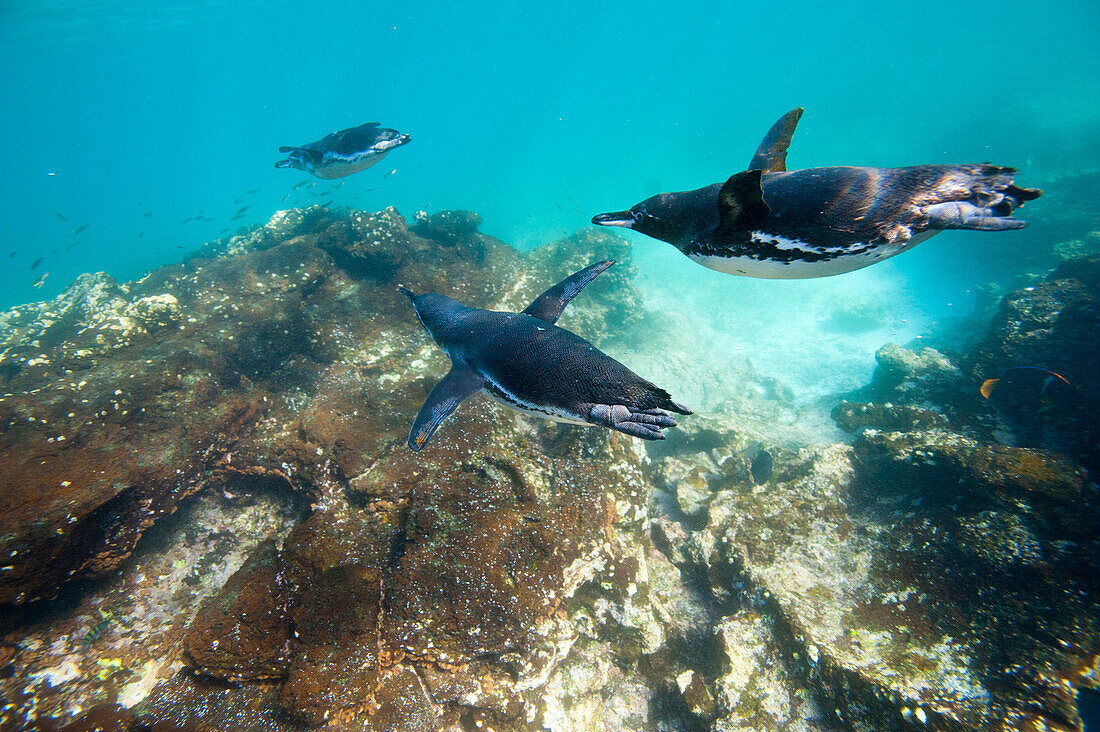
(458, 555)
(367, 244)
(919, 389)
(904, 376)
(333, 564)
(1051, 327)
(1002, 552)
(754, 689)
(125, 414)
(448, 227)
(243, 633)
(853, 417)
(505, 577)
(895, 582)
(292, 363)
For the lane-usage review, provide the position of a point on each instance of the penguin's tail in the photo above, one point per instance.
(658, 398)
(677, 407)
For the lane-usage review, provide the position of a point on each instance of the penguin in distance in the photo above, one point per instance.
(343, 153)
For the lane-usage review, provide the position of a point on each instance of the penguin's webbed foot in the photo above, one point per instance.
(644, 423)
(964, 215)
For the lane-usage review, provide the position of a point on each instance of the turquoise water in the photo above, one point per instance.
(136, 132)
(132, 117)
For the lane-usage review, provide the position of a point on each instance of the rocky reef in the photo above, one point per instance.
(211, 520)
(1052, 324)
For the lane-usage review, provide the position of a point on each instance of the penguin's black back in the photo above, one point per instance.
(347, 142)
(549, 366)
(838, 205)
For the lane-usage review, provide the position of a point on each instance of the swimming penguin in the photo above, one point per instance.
(345, 152)
(527, 363)
(777, 224)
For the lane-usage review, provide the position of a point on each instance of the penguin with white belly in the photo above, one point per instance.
(773, 223)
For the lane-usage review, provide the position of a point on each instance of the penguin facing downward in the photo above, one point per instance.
(527, 363)
(773, 223)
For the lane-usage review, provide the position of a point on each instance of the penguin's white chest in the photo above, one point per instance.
(335, 166)
(804, 260)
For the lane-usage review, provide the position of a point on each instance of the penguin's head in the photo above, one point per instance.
(387, 139)
(299, 158)
(658, 216)
(437, 313)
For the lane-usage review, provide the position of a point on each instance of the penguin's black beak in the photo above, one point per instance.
(618, 218)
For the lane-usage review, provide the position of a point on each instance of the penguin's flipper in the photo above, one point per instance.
(964, 215)
(741, 202)
(549, 305)
(456, 386)
(771, 156)
(644, 423)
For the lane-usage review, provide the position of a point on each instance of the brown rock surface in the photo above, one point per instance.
(455, 557)
(920, 578)
(503, 577)
(242, 635)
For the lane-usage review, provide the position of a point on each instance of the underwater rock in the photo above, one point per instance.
(460, 555)
(154, 312)
(695, 460)
(754, 688)
(91, 301)
(178, 367)
(291, 364)
(1080, 248)
(901, 372)
(693, 492)
(1054, 325)
(265, 366)
(333, 565)
(447, 227)
(107, 429)
(118, 638)
(241, 635)
(366, 244)
(504, 577)
(964, 600)
(281, 227)
(919, 577)
(918, 384)
(184, 702)
(1003, 546)
(853, 417)
(941, 466)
